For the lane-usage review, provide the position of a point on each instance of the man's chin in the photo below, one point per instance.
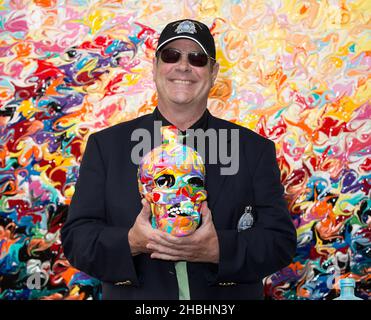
(182, 101)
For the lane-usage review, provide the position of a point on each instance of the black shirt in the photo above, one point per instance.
(199, 124)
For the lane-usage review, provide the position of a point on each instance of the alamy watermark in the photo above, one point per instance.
(37, 274)
(220, 145)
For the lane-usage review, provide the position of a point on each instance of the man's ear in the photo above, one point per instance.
(154, 67)
(214, 72)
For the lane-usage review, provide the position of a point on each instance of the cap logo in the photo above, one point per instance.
(186, 26)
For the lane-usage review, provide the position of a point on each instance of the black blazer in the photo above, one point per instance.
(107, 201)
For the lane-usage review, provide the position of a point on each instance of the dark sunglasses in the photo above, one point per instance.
(195, 58)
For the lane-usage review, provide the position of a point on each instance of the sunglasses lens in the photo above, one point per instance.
(197, 59)
(170, 56)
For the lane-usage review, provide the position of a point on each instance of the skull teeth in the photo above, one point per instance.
(178, 211)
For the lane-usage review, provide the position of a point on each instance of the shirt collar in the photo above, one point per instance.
(201, 123)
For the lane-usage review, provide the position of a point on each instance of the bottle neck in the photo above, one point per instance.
(347, 291)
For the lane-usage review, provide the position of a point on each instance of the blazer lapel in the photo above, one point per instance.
(214, 179)
(147, 123)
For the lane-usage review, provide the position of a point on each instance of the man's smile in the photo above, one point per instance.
(180, 81)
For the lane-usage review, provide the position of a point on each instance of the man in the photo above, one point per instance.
(108, 234)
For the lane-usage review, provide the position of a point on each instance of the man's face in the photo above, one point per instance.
(181, 83)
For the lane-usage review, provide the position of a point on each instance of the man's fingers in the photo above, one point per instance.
(162, 256)
(163, 249)
(167, 240)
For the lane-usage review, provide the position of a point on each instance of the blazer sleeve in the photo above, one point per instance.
(270, 244)
(89, 243)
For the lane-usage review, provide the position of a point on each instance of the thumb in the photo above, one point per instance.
(205, 212)
(146, 210)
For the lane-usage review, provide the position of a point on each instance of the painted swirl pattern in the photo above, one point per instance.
(297, 72)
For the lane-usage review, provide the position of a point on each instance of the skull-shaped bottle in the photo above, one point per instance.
(172, 179)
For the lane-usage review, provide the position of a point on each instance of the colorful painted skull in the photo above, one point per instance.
(171, 177)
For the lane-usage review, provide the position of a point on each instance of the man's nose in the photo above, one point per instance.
(183, 63)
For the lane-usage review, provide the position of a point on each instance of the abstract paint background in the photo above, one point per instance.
(296, 72)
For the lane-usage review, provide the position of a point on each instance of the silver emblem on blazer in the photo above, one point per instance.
(247, 220)
(186, 26)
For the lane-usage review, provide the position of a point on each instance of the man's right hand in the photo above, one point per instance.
(141, 231)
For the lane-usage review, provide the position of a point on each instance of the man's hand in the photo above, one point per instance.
(200, 246)
(141, 231)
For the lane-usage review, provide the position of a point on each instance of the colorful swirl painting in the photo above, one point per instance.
(297, 72)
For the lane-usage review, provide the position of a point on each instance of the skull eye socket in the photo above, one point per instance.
(196, 182)
(166, 180)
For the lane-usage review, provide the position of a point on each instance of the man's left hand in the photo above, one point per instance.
(200, 246)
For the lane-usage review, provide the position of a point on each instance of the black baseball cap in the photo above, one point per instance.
(188, 29)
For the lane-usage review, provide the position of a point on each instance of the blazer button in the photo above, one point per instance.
(224, 284)
(123, 283)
